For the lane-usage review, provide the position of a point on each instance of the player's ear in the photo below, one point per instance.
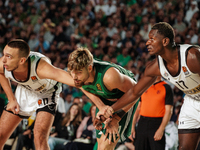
(22, 60)
(166, 41)
(90, 68)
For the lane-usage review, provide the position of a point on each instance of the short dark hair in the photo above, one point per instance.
(24, 49)
(166, 30)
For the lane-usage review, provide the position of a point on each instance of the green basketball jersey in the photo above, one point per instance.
(98, 88)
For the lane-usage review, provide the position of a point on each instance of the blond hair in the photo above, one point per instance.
(80, 58)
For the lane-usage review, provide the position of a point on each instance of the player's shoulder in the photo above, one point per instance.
(152, 68)
(111, 73)
(1, 65)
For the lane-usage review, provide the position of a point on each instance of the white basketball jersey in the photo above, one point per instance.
(33, 82)
(186, 81)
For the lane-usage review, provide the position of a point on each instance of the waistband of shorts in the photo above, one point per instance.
(23, 117)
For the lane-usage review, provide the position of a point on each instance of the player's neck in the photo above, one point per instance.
(91, 76)
(171, 56)
(22, 68)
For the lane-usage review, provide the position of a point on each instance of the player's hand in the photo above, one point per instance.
(106, 111)
(158, 135)
(112, 127)
(27, 132)
(97, 123)
(132, 136)
(13, 106)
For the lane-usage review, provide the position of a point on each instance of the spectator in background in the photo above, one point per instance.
(129, 37)
(68, 101)
(42, 46)
(33, 40)
(192, 36)
(25, 139)
(87, 103)
(190, 12)
(50, 33)
(66, 130)
(68, 28)
(79, 101)
(111, 29)
(180, 26)
(124, 57)
(144, 32)
(37, 26)
(59, 35)
(85, 135)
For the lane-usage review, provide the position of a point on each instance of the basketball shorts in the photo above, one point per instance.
(189, 117)
(30, 102)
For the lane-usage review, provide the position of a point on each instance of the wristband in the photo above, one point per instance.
(120, 113)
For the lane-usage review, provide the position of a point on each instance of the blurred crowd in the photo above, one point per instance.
(113, 30)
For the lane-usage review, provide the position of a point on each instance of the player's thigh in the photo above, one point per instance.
(104, 145)
(43, 123)
(8, 123)
(188, 141)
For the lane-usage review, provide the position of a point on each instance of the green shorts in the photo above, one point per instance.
(125, 125)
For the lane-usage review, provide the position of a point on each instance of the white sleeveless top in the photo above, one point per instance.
(33, 82)
(185, 80)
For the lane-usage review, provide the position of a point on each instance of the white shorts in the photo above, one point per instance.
(29, 101)
(189, 117)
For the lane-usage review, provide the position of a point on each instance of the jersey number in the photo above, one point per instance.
(181, 84)
(45, 101)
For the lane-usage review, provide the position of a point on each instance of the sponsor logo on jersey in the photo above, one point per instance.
(185, 70)
(41, 87)
(34, 78)
(193, 91)
(165, 74)
(99, 87)
(39, 102)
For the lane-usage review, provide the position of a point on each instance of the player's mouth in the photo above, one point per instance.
(5, 66)
(149, 49)
(76, 81)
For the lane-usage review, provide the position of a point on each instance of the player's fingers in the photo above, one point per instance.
(17, 109)
(110, 137)
(107, 122)
(110, 111)
(118, 138)
(114, 137)
(102, 118)
(106, 134)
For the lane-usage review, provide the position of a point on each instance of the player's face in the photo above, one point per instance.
(10, 58)
(155, 43)
(80, 76)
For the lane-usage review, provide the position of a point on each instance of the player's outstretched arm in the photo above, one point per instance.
(48, 71)
(132, 95)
